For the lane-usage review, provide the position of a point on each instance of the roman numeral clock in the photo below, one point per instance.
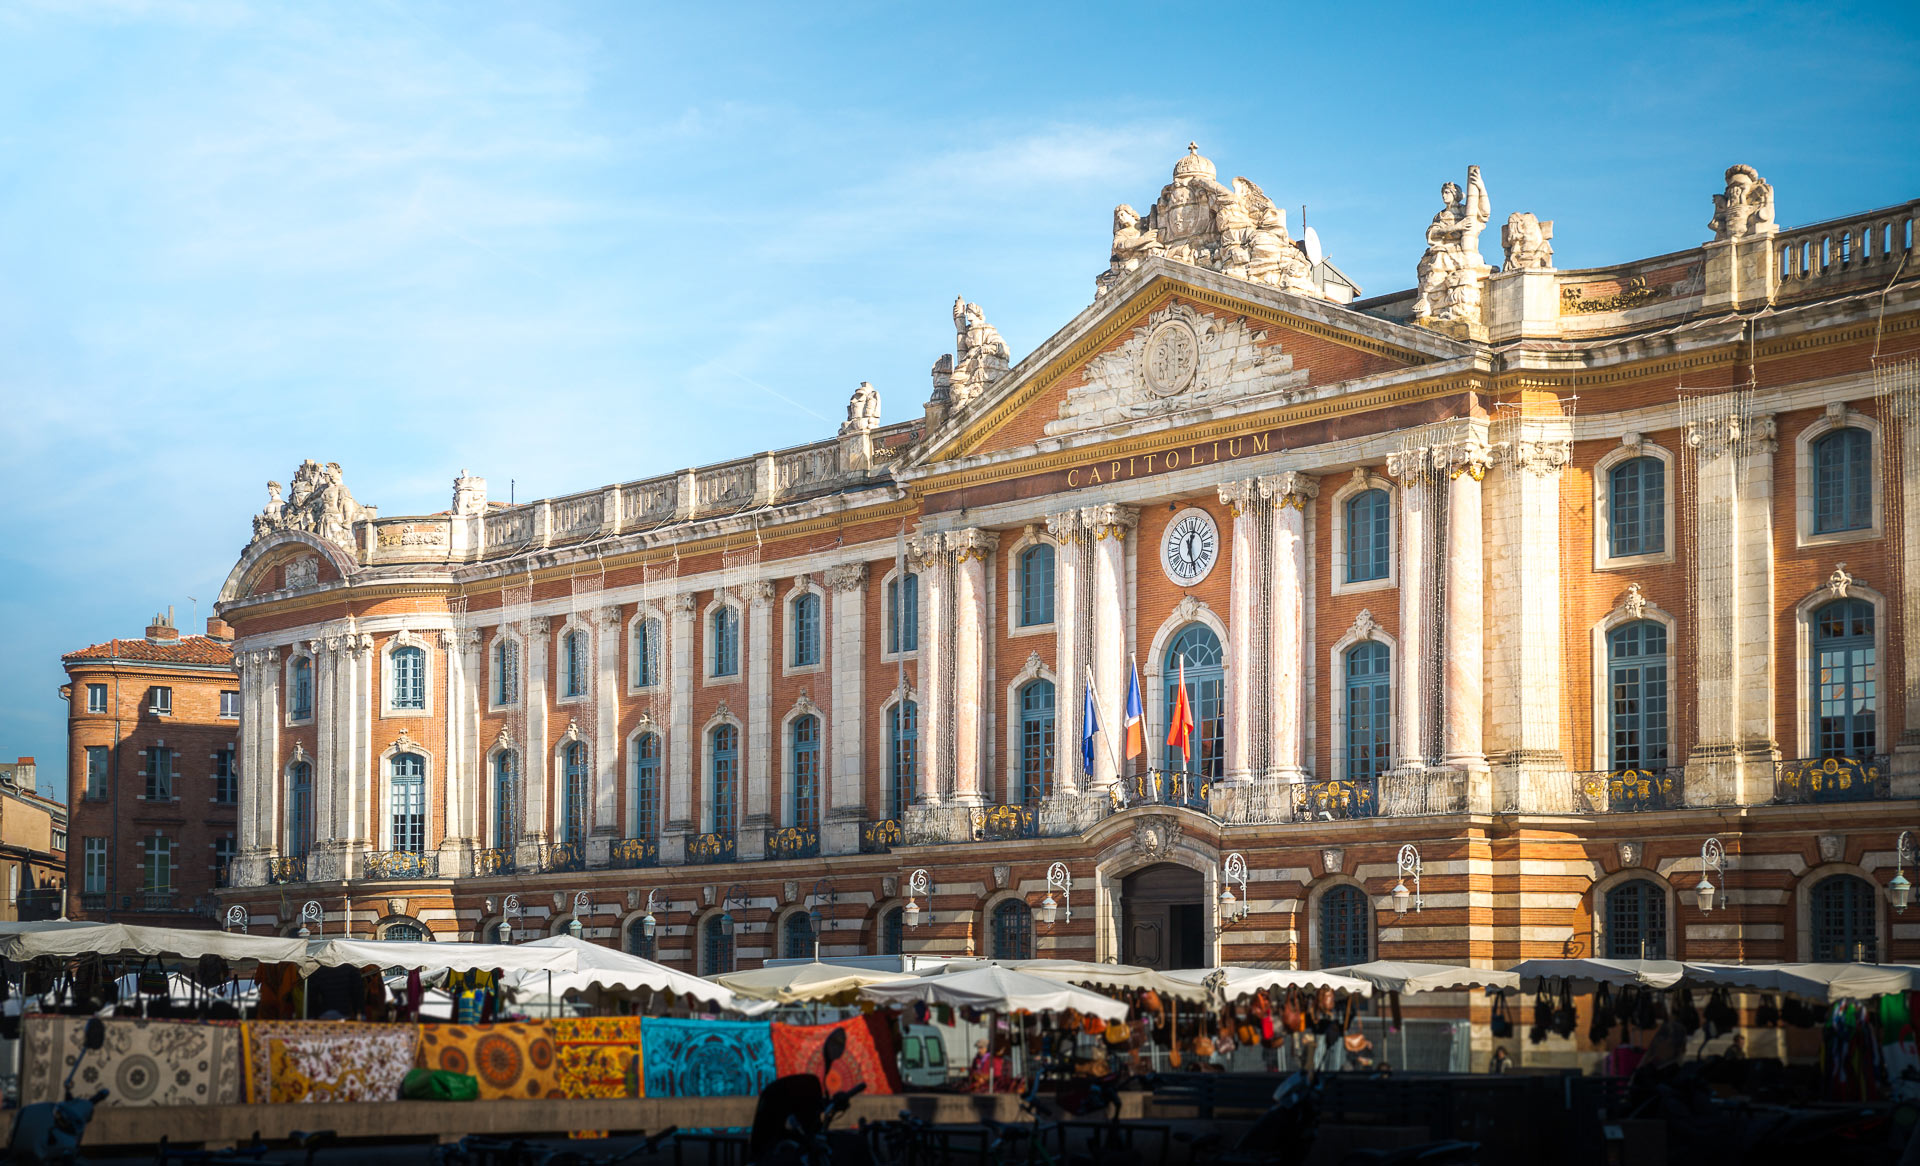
(1190, 547)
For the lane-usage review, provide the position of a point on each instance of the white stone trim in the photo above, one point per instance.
(1034, 669)
(383, 777)
(1837, 416)
(662, 660)
(1801, 665)
(1803, 907)
(803, 585)
(1632, 446)
(1602, 702)
(405, 638)
(1316, 891)
(886, 615)
(1597, 907)
(704, 639)
(1363, 479)
(1034, 534)
(575, 622)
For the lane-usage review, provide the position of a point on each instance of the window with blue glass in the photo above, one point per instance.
(506, 671)
(1845, 680)
(1036, 585)
(1369, 535)
(804, 757)
(1346, 929)
(1843, 481)
(796, 937)
(1844, 927)
(903, 613)
(1369, 698)
(575, 761)
(1199, 649)
(1637, 695)
(716, 947)
(299, 809)
(410, 678)
(300, 701)
(407, 803)
(576, 652)
(725, 783)
(1013, 931)
(1036, 741)
(806, 630)
(646, 653)
(506, 798)
(646, 786)
(1636, 917)
(1637, 507)
(893, 932)
(726, 641)
(903, 756)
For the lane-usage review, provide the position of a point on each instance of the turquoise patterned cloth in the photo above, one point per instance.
(706, 1058)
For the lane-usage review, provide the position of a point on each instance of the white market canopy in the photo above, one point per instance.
(798, 983)
(593, 967)
(1586, 973)
(1408, 977)
(433, 958)
(1237, 983)
(1812, 981)
(66, 939)
(996, 989)
(1123, 976)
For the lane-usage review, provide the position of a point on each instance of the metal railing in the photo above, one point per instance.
(1167, 787)
(563, 857)
(792, 842)
(156, 900)
(633, 853)
(1831, 779)
(1626, 791)
(879, 837)
(1338, 800)
(707, 849)
(287, 868)
(497, 860)
(94, 900)
(399, 864)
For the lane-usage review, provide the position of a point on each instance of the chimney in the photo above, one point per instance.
(161, 630)
(24, 772)
(218, 629)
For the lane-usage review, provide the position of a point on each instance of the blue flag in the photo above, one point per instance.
(1089, 725)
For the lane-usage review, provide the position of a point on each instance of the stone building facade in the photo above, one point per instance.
(1524, 588)
(153, 777)
(33, 845)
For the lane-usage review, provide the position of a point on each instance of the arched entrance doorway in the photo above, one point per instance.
(1163, 922)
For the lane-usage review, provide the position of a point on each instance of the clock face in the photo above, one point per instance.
(1190, 547)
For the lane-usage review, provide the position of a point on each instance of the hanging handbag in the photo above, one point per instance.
(1685, 1012)
(1542, 1013)
(1565, 1019)
(1293, 1018)
(1720, 1014)
(1602, 1021)
(1501, 1024)
(1119, 1035)
(1768, 1014)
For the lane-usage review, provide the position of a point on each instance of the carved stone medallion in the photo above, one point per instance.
(1155, 836)
(791, 889)
(1173, 356)
(1332, 861)
(396, 906)
(1629, 854)
(1833, 847)
(1002, 874)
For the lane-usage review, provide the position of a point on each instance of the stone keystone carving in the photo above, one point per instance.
(318, 503)
(1746, 208)
(1840, 583)
(1451, 270)
(1635, 604)
(1527, 242)
(1154, 836)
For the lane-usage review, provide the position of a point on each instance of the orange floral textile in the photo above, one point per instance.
(326, 1060)
(869, 1056)
(597, 1056)
(508, 1060)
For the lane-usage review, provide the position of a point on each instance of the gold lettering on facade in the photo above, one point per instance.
(1260, 441)
(1173, 459)
(1071, 475)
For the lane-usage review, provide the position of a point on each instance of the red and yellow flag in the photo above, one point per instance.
(1180, 728)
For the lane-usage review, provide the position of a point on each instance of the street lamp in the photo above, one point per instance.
(1900, 891)
(647, 922)
(582, 905)
(237, 917)
(1713, 859)
(918, 883)
(508, 910)
(1409, 864)
(822, 892)
(311, 912)
(1058, 877)
(1233, 870)
(727, 922)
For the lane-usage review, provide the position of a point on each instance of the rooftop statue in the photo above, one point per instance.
(980, 356)
(863, 410)
(318, 503)
(1746, 208)
(1528, 243)
(1451, 270)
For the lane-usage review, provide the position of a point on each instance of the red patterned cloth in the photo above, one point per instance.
(871, 1056)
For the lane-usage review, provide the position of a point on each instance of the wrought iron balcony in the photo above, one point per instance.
(400, 864)
(1007, 823)
(879, 837)
(634, 853)
(1338, 800)
(706, 849)
(287, 868)
(94, 900)
(1831, 779)
(156, 900)
(562, 857)
(496, 860)
(1626, 791)
(793, 842)
(1167, 787)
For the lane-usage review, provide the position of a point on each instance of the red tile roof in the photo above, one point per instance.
(189, 650)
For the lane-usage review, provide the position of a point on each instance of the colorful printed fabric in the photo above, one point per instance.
(706, 1058)
(509, 1060)
(597, 1056)
(308, 1061)
(869, 1057)
(144, 1062)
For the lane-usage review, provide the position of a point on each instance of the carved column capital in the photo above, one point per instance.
(1109, 520)
(1542, 457)
(1238, 496)
(1064, 526)
(1291, 489)
(759, 592)
(925, 548)
(971, 543)
(609, 616)
(684, 603)
(1467, 455)
(846, 577)
(540, 625)
(1409, 464)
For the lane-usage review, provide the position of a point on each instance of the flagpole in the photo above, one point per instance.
(1095, 690)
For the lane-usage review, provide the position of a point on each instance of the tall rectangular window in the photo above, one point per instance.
(1036, 585)
(1845, 680)
(1036, 741)
(93, 865)
(903, 733)
(1637, 676)
(1637, 507)
(96, 698)
(806, 630)
(806, 773)
(646, 787)
(726, 774)
(160, 700)
(1843, 481)
(96, 787)
(410, 678)
(576, 807)
(156, 864)
(159, 774)
(226, 780)
(1369, 711)
(726, 641)
(223, 852)
(300, 699)
(903, 614)
(646, 653)
(506, 671)
(408, 802)
(1369, 535)
(576, 663)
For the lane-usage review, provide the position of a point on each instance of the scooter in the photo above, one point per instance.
(48, 1132)
(793, 1117)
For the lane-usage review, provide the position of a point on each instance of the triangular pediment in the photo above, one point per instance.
(1174, 343)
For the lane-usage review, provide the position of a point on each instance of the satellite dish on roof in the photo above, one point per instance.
(1311, 239)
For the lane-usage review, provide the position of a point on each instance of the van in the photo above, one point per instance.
(923, 1057)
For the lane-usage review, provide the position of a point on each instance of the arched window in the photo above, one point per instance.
(796, 936)
(410, 678)
(638, 942)
(893, 932)
(1036, 585)
(726, 773)
(404, 932)
(1369, 710)
(1843, 922)
(646, 653)
(716, 947)
(806, 630)
(1637, 692)
(1637, 507)
(300, 700)
(506, 671)
(1637, 921)
(1013, 931)
(903, 614)
(407, 802)
(1369, 535)
(1845, 680)
(506, 799)
(726, 641)
(1346, 926)
(903, 749)
(805, 758)
(1199, 649)
(575, 669)
(575, 761)
(1036, 741)
(299, 809)
(1843, 481)
(646, 786)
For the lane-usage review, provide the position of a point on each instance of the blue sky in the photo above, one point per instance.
(572, 244)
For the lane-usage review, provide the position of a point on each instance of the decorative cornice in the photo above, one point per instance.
(1290, 489)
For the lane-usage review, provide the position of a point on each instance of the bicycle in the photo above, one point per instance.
(1034, 1134)
(249, 1154)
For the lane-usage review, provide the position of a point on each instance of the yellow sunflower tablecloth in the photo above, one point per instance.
(597, 1056)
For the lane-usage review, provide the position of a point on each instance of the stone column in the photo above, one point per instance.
(846, 718)
(267, 686)
(535, 800)
(1411, 468)
(933, 563)
(1288, 587)
(327, 656)
(1529, 766)
(681, 816)
(971, 549)
(1755, 627)
(353, 729)
(1903, 432)
(1465, 462)
(1065, 528)
(1109, 526)
(608, 686)
(253, 845)
(1244, 583)
(758, 772)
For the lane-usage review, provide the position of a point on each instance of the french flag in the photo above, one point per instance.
(1135, 718)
